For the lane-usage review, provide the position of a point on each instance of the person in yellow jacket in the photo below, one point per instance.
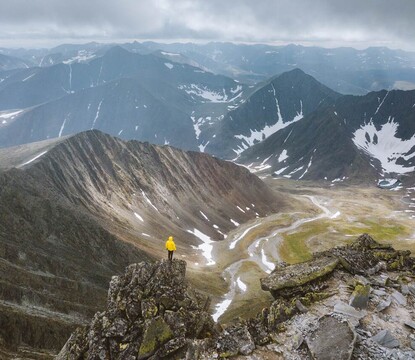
(171, 247)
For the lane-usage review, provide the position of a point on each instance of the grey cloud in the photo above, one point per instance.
(331, 21)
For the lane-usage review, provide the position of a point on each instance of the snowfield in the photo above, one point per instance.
(385, 146)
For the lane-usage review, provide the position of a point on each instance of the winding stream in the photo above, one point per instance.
(262, 252)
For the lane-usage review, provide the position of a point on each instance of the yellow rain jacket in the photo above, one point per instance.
(170, 245)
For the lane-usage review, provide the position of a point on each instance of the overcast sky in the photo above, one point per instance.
(329, 23)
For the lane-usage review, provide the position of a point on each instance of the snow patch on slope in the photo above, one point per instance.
(206, 245)
(210, 95)
(385, 146)
(62, 127)
(96, 115)
(138, 217)
(33, 159)
(283, 156)
(260, 135)
(6, 115)
(82, 56)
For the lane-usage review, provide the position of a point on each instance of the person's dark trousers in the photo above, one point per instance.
(170, 254)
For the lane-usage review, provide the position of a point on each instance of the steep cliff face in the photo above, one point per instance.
(78, 210)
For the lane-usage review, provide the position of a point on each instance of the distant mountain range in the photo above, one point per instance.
(77, 210)
(290, 125)
(78, 205)
(134, 96)
(346, 70)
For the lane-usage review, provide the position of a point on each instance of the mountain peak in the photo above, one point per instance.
(299, 78)
(295, 71)
(116, 51)
(286, 98)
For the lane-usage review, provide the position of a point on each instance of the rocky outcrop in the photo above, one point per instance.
(366, 256)
(151, 313)
(293, 278)
(324, 312)
(354, 299)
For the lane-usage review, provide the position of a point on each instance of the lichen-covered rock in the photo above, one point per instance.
(295, 276)
(360, 296)
(279, 311)
(151, 312)
(235, 340)
(367, 256)
(156, 334)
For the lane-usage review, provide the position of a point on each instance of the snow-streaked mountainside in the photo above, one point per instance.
(354, 137)
(346, 70)
(140, 91)
(76, 211)
(133, 96)
(11, 62)
(283, 100)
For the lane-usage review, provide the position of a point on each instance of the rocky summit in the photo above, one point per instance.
(151, 313)
(351, 302)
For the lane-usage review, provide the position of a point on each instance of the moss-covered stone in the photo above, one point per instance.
(299, 274)
(156, 333)
(149, 308)
(312, 297)
(279, 311)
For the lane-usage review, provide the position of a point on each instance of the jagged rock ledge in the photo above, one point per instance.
(151, 313)
(352, 302)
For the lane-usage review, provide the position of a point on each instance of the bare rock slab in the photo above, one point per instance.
(349, 312)
(333, 339)
(399, 298)
(386, 339)
(410, 324)
(384, 304)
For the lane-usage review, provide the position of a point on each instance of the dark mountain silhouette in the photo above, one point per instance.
(284, 99)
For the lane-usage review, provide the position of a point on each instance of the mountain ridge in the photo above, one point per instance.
(283, 99)
(143, 92)
(377, 128)
(76, 211)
